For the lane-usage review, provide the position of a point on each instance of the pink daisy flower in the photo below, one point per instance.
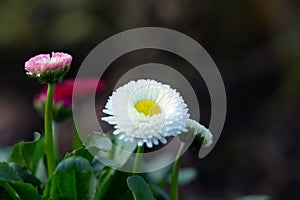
(48, 69)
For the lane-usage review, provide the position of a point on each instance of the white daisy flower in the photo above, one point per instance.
(196, 128)
(146, 111)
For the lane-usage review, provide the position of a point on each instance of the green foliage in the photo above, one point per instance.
(104, 180)
(73, 178)
(28, 154)
(82, 152)
(119, 154)
(81, 176)
(18, 190)
(7, 173)
(140, 189)
(26, 175)
(78, 176)
(13, 187)
(25, 190)
(116, 186)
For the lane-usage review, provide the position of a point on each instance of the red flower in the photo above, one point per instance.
(63, 92)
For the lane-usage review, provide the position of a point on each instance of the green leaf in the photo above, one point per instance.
(7, 191)
(96, 141)
(29, 153)
(4, 194)
(26, 175)
(7, 173)
(140, 189)
(13, 186)
(119, 153)
(25, 190)
(18, 190)
(82, 152)
(73, 179)
(255, 197)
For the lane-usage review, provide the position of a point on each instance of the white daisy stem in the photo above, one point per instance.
(175, 173)
(50, 151)
(138, 159)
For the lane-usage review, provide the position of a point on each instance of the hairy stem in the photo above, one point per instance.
(175, 173)
(50, 151)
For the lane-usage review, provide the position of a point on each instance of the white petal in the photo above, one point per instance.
(137, 127)
(149, 144)
(140, 143)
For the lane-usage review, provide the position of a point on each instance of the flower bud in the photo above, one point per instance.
(48, 69)
(63, 93)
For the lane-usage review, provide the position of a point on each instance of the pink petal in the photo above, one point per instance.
(58, 61)
(37, 63)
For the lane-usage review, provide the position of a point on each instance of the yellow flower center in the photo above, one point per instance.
(148, 108)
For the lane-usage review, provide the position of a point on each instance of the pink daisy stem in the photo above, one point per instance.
(50, 151)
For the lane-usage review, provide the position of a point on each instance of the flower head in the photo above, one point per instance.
(48, 69)
(198, 129)
(62, 97)
(146, 111)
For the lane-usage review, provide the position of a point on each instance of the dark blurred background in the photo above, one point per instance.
(255, 44)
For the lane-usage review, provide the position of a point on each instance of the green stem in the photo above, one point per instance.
(175, 172)
(138, 159)
(50, 151)
(105, 180)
